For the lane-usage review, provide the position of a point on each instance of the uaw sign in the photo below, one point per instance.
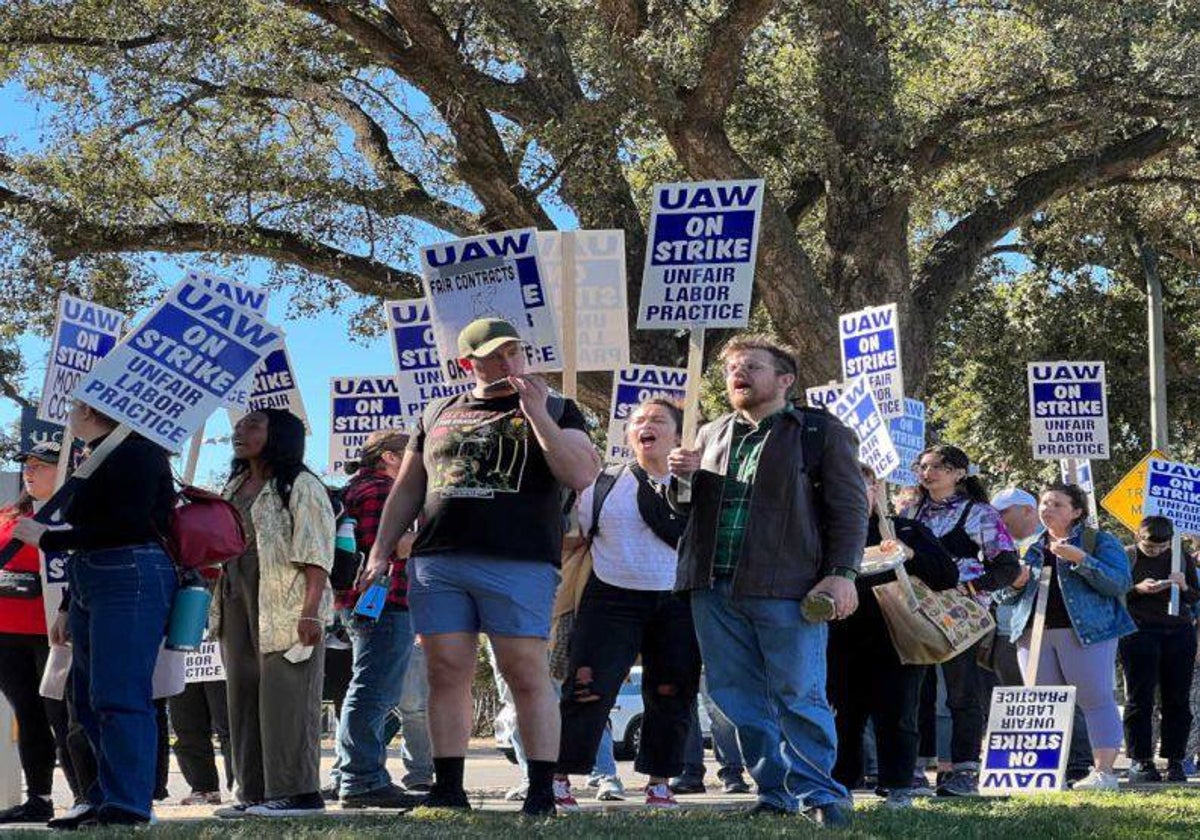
(632, 386)
(699, 270)
(856, 408)
(204, 664)
(908, 436)
(420, 372)
(84, 334)
(823, 396)
(35, 431)
(179, 364)
(1068, 410)
(244, 295)
(601, 332)
(870, 344)
(1028, 740)
(360, 405)
(1173, 491)
(274, 386)
(492, 276)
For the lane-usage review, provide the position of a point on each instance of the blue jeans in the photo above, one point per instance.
(725, 746)
(120, 600)
(381, 652)
(765, 669)
(414, 721)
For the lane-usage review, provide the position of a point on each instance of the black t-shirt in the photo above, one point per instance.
(1152, 610)
(489, 489)
(1057, 617)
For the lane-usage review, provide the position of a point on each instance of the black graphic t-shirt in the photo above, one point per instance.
(489, 489)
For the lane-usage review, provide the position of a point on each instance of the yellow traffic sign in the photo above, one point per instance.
(1125, 500)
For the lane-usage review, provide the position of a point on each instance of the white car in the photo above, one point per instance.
(625, 720)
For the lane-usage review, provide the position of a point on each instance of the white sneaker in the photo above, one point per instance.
(564, 801)
(610, 789)
(1097, 780)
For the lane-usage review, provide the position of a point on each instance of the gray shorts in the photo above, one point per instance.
(469, 593)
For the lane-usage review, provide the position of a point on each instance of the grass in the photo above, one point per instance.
(1130, 815)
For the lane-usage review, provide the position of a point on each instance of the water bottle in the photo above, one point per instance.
(345, 540)
(189, 617)
(345, 556)
(370, 603)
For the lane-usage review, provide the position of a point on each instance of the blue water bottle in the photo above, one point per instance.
(189, 617)
(370, 603)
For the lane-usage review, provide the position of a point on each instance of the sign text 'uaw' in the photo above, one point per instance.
(1173, 491)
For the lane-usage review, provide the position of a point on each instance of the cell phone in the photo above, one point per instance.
(370, 603)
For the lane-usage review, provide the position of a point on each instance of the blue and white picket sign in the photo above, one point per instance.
(359, 405)
(699, 269)
(856, 407)
(84, 333)
(908, 436)
(1068, 410)
(492, 276)
(243, 294)
(870, 345)
(632, 386)
(420, 372)
(1028, 740)
(204, 664)
(1173, 491)
(35, 431)
(823, 396)
(179, 364)
(274, 386)
(601, 309)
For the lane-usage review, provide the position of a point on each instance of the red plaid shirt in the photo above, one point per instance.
(364, 498)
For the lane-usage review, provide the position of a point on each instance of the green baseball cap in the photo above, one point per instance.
(484, 336)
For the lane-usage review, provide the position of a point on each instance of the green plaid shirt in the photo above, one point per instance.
(745, 449)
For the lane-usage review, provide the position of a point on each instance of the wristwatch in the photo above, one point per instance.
(844, 572)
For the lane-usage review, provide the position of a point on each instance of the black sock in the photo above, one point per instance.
(448, 772)
(541, 777)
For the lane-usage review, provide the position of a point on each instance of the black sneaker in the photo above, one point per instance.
(79, 816)
(119, 816)
(330, 794)
(35, 809)
(737, 785)
(831, 815)
(686, 786)
(538, 805)
(300, 805)
(236, 811)
(1176, 771)
(960, 783)
(388, 796)
(441, 798)
(1143, 773)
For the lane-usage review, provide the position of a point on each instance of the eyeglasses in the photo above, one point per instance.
(920, 468)
(748, 367)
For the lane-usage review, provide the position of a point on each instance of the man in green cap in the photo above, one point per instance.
(487, 469)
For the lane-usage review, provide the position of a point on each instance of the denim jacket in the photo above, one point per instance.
(1093, 590)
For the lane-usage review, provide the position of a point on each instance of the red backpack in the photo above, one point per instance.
(204, 531)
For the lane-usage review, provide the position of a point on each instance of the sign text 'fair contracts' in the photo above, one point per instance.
(1068, 410)
(632, 386)
(179, 364)
(84, 333)
(493, 276)
(420, 372)
(700, 264)
(856, 407)
(360, 405)
(870, 345)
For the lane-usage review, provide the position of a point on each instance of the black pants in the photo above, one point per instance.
(196, 715)
(1162, 659)
(41, 722)
(964, 699)
(867, 680)
(614, 625)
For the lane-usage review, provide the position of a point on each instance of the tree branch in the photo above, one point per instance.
(807, 193)
(720, 69)
(52, 39)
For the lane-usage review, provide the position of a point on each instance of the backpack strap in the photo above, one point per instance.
(962, 517)
(1087, 540)
(604, 485)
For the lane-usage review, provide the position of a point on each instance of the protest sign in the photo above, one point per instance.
(823, 396)
(359, 405)
(35, 431)
(1173, 490)
(703, 240)
(84, 333)
(1068, 410)
(856, 408)
(491, 276)
(204, 664)
(601, 309)
(632, 386)
(1124, 501)
(908, 436)
(53, 571)
(1028, 740)
(420, 373)
(244, 295)
(274, 386)
(179, 364)
(870, 344)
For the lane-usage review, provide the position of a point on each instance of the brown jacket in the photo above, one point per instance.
(794, 536)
